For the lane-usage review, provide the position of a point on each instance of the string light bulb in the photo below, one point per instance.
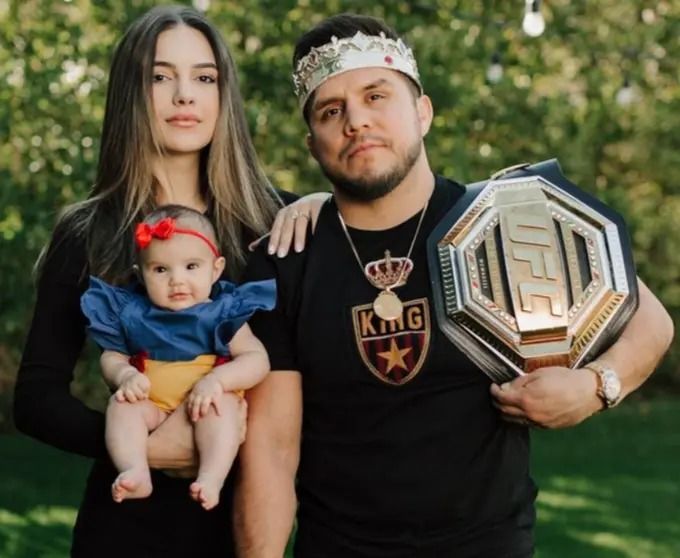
(533, 23)
(201, 5)
(627, 95)
(494, 72)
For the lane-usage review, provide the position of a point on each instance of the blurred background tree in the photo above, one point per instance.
(599, 89)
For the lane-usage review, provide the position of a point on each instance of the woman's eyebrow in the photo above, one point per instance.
(173, 66)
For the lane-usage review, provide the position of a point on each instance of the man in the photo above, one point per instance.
(402, 449)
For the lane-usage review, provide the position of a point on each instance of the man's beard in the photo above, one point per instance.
(371, 188)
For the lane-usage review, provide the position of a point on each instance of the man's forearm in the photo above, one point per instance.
(265, 501)
(265, 506)
(642, 344)
(557, 397)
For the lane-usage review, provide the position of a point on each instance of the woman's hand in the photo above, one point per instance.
(291, 222)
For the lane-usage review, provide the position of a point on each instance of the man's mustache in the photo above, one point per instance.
(359, 140)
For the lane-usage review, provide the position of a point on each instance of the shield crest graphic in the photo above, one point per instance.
(394, 351)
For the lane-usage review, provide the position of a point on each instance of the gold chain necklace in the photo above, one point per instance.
(387, 304)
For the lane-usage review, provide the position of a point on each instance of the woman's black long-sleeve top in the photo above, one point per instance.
(44, 407)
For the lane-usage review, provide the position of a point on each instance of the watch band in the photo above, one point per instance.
(608, 383)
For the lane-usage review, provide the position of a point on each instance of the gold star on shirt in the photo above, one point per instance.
(395, 356)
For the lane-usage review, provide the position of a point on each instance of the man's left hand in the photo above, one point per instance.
(550, 397)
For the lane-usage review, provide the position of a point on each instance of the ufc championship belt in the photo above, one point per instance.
(528, 271)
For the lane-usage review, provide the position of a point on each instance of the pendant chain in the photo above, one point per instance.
(408, 256)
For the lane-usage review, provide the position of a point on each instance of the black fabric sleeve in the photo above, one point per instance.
(44, 407)
(276, 328)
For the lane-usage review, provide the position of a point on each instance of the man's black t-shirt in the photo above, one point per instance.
(402, 452)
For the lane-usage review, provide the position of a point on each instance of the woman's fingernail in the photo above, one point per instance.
(270, 250)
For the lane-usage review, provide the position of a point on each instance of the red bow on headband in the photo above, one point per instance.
(162, 230)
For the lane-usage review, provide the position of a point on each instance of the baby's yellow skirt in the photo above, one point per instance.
(171, 382)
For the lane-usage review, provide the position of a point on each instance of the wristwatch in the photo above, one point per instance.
(608, 383)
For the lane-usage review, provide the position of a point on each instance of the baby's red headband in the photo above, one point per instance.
(164, 229)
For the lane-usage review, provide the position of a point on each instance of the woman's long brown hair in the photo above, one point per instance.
(238, 196)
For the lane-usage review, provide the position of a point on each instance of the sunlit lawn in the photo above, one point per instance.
(609, 489)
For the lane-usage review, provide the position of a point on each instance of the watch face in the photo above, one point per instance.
(611, 386)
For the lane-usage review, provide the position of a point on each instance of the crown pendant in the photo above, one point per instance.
(388, 273)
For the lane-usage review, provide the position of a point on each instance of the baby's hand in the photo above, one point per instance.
(135, 387)
(206, 392)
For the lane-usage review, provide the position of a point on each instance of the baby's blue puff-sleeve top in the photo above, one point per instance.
(126, 321)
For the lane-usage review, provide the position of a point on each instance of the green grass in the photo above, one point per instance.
(40, 489)
(609, 489)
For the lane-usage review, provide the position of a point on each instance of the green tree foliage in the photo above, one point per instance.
(556, 98)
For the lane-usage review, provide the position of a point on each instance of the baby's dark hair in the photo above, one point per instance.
(185, 215)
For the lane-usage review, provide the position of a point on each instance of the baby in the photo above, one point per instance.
(186, 339)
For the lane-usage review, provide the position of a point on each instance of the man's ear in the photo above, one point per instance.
(425, 114)
(218, 268)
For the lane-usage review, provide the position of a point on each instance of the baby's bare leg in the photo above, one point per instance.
(127, 431)
(217, 439)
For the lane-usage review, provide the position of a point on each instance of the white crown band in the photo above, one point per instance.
(351, 53)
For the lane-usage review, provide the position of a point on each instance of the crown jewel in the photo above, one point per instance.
(351, 53)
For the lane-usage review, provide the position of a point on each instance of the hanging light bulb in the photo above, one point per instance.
(494, 72)
(533, 23)
(201, 5)
(627, 95)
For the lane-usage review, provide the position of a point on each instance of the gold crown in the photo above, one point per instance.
(351, 53)
(388, 271)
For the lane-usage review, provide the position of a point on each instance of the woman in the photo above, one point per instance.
(174, 132)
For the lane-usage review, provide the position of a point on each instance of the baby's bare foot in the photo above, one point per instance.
(133, 483)
(206, 491)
